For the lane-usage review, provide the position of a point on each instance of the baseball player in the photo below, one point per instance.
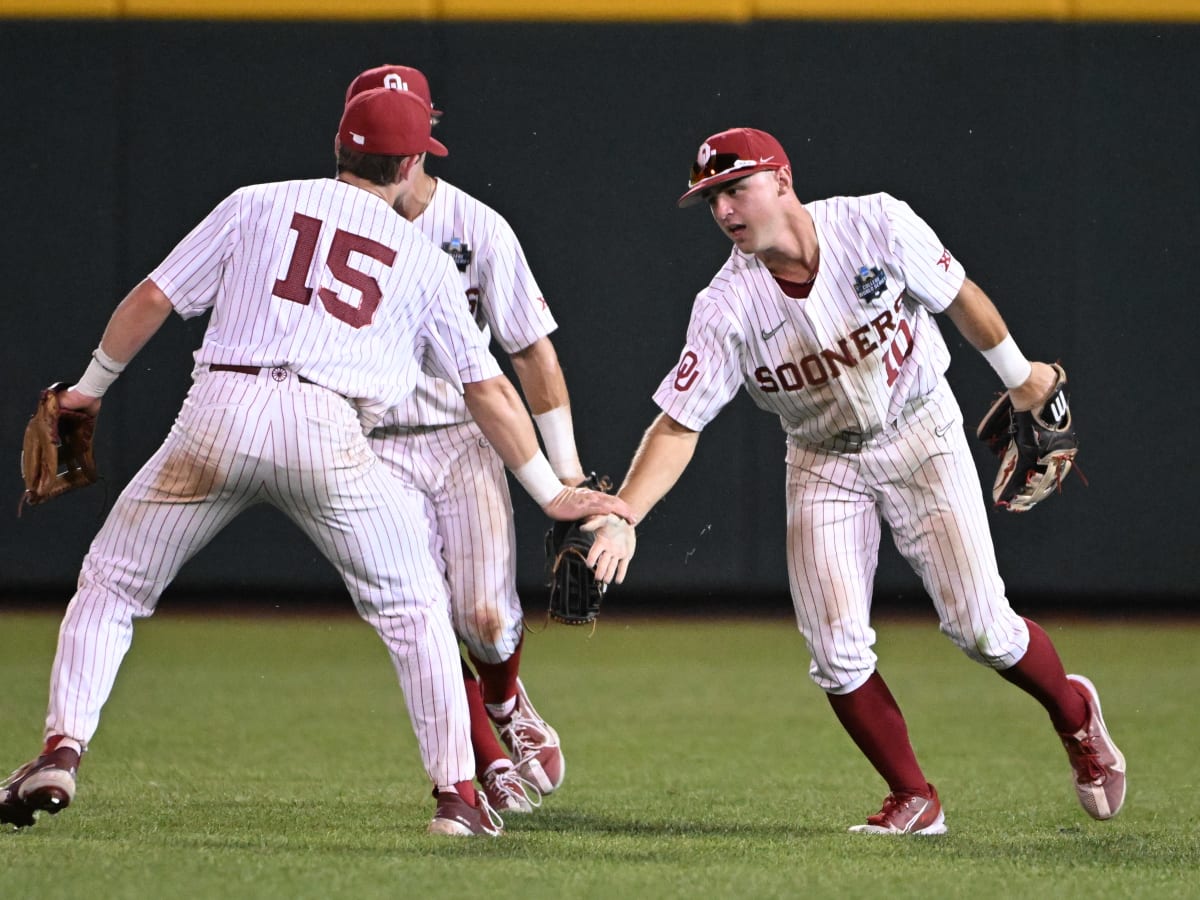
(324, 303)
(824, 312)
(432, 443)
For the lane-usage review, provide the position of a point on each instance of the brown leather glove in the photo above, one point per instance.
(57, 455)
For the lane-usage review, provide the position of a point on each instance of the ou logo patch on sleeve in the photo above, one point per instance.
(688, 371)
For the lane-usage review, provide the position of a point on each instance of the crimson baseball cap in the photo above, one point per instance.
(387, 122)
(398, 78)
(732, 154)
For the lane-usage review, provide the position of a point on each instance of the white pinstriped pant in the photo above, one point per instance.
(470, 510)
(244, 439)
(921, 480)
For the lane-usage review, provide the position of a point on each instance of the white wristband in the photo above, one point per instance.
(538, 479)
(558, 434)
(101, 372)
(1009, 362)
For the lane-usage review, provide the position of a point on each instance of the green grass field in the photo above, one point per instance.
(271, 757)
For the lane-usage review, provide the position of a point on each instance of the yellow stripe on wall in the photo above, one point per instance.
(612, 10)
(45, 9)
(1125, 10)
(284, 9)
(224, 9)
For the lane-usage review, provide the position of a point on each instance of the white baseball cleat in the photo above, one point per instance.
(533, 745)
(1097, 764)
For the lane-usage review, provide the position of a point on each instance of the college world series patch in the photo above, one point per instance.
(870, 283)
(459, 251)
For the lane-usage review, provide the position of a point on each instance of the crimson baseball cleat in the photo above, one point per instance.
(47, 784)
(458, 818)
(1098, 766)
(533, 745)
(905, 813)
(508, 792)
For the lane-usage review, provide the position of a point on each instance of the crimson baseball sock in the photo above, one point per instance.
(466, 790)
(499, 680)
(1040, 674)
(874, 722)
(483, 739)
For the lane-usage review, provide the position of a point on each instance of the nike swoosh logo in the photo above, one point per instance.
(941, 430)
(767, 335)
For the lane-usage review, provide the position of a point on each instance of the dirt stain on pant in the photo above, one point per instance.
(186, 478)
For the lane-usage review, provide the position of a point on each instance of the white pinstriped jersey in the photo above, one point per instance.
(849, 356)
(323, 278)
(501, 294)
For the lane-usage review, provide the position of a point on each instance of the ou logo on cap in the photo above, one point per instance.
(395, 82)
(705, 153)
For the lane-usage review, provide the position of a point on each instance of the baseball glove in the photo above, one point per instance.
(57, 453)
(575, 594)
(1036, 448)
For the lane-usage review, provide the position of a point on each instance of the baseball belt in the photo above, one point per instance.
(279, 373)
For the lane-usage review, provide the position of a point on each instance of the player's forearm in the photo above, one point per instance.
(135, 321)
(976, 317)
(663, 455)
(497, 409)
(542, 382)
(545, 391)
(978, 320)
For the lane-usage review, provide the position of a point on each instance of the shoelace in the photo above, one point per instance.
(895, 803)
(1086, 759)
(510, 783)
(518, 730)
(489, 818)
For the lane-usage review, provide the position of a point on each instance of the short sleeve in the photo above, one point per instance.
(191, 273)
(513, 303)
(931, 272)
(708, 375)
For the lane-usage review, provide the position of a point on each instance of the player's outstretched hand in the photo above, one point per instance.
(612, 549)
(580, 503)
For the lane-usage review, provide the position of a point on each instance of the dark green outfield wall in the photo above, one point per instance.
(1059, 162)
